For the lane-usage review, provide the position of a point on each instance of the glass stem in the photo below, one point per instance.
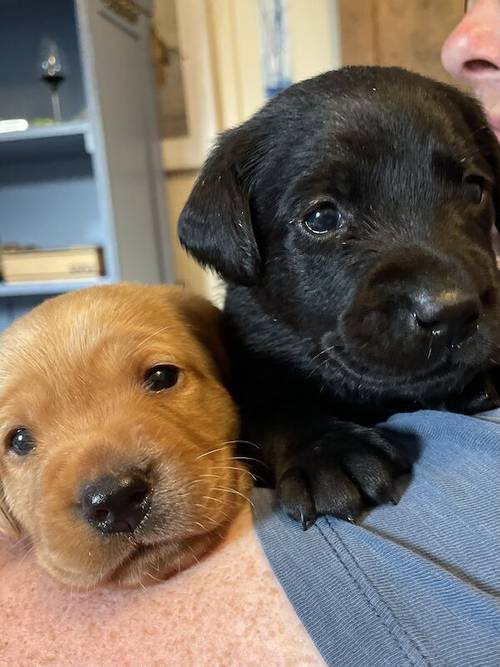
(56, 106)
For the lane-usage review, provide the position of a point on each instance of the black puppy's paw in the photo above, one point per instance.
(348, 468)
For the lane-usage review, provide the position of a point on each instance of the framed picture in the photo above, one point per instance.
(188, 118)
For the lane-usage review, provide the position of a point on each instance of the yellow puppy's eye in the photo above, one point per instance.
(21, 441)
(161, 377)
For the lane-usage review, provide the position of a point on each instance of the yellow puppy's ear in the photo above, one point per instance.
(205, 321)
(8, 525)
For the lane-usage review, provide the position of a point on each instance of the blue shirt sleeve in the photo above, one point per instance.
(412, 584)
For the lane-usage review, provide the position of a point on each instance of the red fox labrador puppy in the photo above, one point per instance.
(117, 433)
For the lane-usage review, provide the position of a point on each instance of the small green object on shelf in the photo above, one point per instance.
(41, 122)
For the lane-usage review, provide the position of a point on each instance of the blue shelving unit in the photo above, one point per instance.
(95, 178)
(46, 132)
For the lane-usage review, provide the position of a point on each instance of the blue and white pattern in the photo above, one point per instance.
(275, 53)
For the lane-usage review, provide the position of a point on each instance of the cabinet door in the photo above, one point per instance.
(393, 32)
(122, 110)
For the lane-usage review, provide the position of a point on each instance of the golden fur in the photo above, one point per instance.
(71, 371)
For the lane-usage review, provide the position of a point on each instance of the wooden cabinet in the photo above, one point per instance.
(407, 33)
(95, 178)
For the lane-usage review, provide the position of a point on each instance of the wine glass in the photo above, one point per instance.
(52, 72)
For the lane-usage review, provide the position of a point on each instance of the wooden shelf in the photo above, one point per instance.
(49, 287)
(57, 139)
(46, 132)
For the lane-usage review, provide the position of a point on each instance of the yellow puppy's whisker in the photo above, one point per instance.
(197, 523)
(225, 445)
(194, 555)
(250, 458)
(217, 500)
(212, 451)
(153, 335)
(223, 488)
(244, 470)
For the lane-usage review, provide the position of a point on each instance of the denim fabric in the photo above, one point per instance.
(413, 584)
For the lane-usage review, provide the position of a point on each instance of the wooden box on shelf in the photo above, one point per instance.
(51, 264)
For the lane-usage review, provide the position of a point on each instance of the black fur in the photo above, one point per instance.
(324, 333)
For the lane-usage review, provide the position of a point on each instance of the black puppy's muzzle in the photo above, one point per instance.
(419, 314)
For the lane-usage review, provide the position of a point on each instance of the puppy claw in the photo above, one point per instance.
(306, 522)
(295, 498)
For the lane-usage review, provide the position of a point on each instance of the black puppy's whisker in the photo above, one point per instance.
(326, 350)
(430, 349)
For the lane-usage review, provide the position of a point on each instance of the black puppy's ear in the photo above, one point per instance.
(490, 150)
(215, 225)
(485, 140)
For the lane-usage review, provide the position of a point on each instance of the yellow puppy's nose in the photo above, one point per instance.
(117, 503)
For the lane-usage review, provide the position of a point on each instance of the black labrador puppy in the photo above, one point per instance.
(351, 218)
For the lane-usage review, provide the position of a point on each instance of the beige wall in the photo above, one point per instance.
(177, 188)
(234, 39)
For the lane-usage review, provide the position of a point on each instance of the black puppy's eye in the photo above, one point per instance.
(323, 220)
(21, 441)
(161, 377)
(474, 189)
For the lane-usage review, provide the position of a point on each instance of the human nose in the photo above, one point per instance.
(471, 53)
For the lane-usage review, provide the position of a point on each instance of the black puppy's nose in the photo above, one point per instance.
(116, 503)
(450, 314)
